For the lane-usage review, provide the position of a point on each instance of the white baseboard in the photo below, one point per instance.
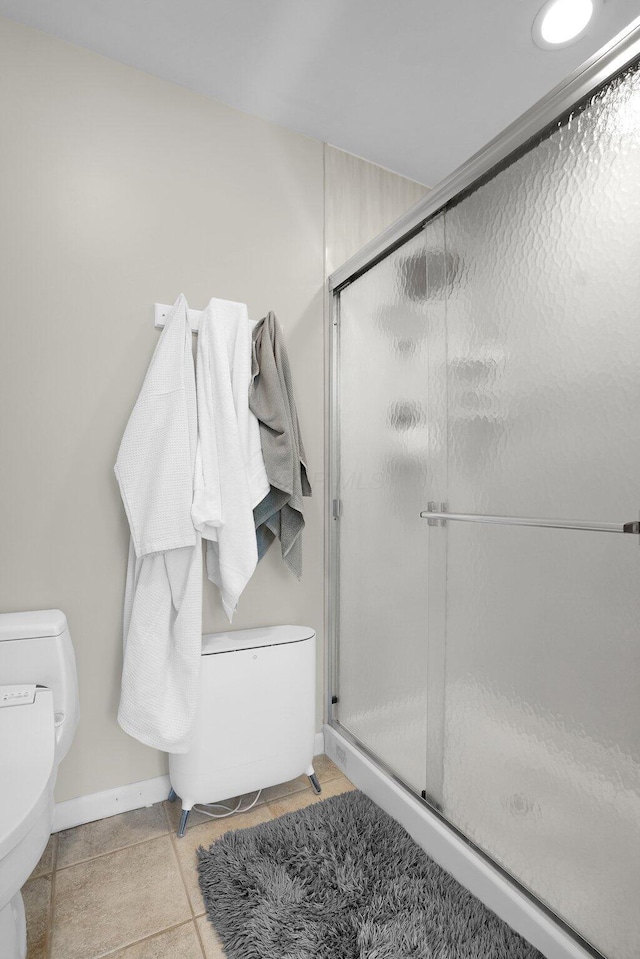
(471, 870)
(110, 802)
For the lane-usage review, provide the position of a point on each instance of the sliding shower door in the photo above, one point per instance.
(489, 368)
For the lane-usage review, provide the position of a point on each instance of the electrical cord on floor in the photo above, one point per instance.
(218, 805)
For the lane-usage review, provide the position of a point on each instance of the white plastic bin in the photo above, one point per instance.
(256, 719)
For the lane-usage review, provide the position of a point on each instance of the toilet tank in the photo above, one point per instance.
(35, 647)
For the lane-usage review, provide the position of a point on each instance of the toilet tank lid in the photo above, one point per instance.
(213, 643)
(31, 625)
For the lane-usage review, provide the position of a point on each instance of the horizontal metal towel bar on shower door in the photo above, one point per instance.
(440, 516)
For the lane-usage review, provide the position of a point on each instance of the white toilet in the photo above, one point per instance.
(38, 720)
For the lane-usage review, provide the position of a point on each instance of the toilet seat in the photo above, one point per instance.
(27, 755)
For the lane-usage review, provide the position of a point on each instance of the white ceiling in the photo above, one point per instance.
(417, 86)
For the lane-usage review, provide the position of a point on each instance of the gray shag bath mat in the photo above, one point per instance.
(342, 880)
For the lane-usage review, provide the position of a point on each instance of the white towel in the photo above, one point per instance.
(230, 474)
(163, 598)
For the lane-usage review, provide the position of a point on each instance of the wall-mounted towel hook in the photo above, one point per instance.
(160, 311)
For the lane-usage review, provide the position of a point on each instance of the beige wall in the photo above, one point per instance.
(362, 199)
(118, 190)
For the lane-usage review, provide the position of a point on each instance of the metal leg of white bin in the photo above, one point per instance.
(183, 822)
(313, 779)
(172, 795)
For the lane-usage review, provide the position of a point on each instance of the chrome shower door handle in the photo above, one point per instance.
(438, 515)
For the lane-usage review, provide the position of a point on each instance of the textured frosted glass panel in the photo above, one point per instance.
(542, 717)
(542, 754)
(383, 484)
(544, 325)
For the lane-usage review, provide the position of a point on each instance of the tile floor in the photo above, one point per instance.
(127, 887)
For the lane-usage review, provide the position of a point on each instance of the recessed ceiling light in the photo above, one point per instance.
(561, 22)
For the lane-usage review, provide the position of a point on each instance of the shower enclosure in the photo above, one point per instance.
(485, 542)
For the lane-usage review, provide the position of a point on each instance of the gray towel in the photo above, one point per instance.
(271, 398)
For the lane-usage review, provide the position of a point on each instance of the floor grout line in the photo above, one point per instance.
(50, 916)
(52, 892)
(181, 871)
(200, 940)
(170, 826)
(101, 855)
(136, 942)
(54, 857)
